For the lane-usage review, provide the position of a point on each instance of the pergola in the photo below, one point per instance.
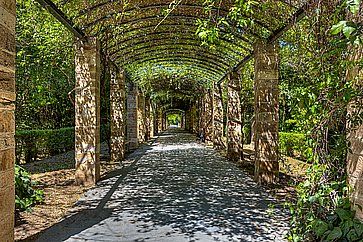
(153, 41)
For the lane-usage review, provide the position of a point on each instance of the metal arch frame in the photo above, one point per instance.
(195, 44)
(60, 16)
(184, 41)
(193, 76)
(206, 71)
(202, 59)
(172, 47)
(183, 17)
(107, 16)
(214, 57)
(86, 11)
(254, 35)
(131, 37)
(297, 16)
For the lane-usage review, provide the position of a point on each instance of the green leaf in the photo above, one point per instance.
(337, 28)
(353, 5)
(343, 214)
(336, 233)
(320, 227)
(347, 31)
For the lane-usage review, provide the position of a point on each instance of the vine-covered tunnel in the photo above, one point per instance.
(158, 65)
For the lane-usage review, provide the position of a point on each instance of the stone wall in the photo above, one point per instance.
(118, 114)
(87, 106)
(7, 128)
(266, 113)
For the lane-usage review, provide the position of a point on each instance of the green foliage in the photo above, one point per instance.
(26, 195)
(294, 145)
(34, 144)
(351, 30)
(44, 69)
(323, 210)
(173, 119)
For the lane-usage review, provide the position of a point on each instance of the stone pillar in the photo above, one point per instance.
(7, 128)
(234, 118)
(355, 128)
(159, 118)
(266, 112)
(193, 119)
(209, 118)
(87, 106)
(141, 118)
(187, 115)
(118, 115)
(132, 117)
(182, 120)
(149, 122)
(164, 123)
(218, 117)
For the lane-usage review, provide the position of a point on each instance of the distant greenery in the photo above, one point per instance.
(294, 145)
(26, 195)
(174, 119)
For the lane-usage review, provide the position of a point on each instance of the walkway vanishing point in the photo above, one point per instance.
(174, 189)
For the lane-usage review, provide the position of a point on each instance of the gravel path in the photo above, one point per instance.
(174, 189)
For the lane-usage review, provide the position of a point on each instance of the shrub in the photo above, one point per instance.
(26, 195)
(34, 144)
(294, 145)
(322, 211)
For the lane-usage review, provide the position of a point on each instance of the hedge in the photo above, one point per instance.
(294, 145)
(32, 145)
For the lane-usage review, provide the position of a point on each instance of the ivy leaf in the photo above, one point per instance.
(320, 227)
(336, 233)
(337, 28)
(353, 5)
(343, 214)
(347, 31)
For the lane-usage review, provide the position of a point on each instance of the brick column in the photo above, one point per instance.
(87, 143)
(266, 113)
(234, 122)
(218, 117)
(159, 120)
(118, 114)
(132, 116)
(355, 129)
(7, 128)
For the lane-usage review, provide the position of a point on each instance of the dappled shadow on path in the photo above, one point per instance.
(176, 190)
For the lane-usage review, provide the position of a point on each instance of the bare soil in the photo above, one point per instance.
(55, 175)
